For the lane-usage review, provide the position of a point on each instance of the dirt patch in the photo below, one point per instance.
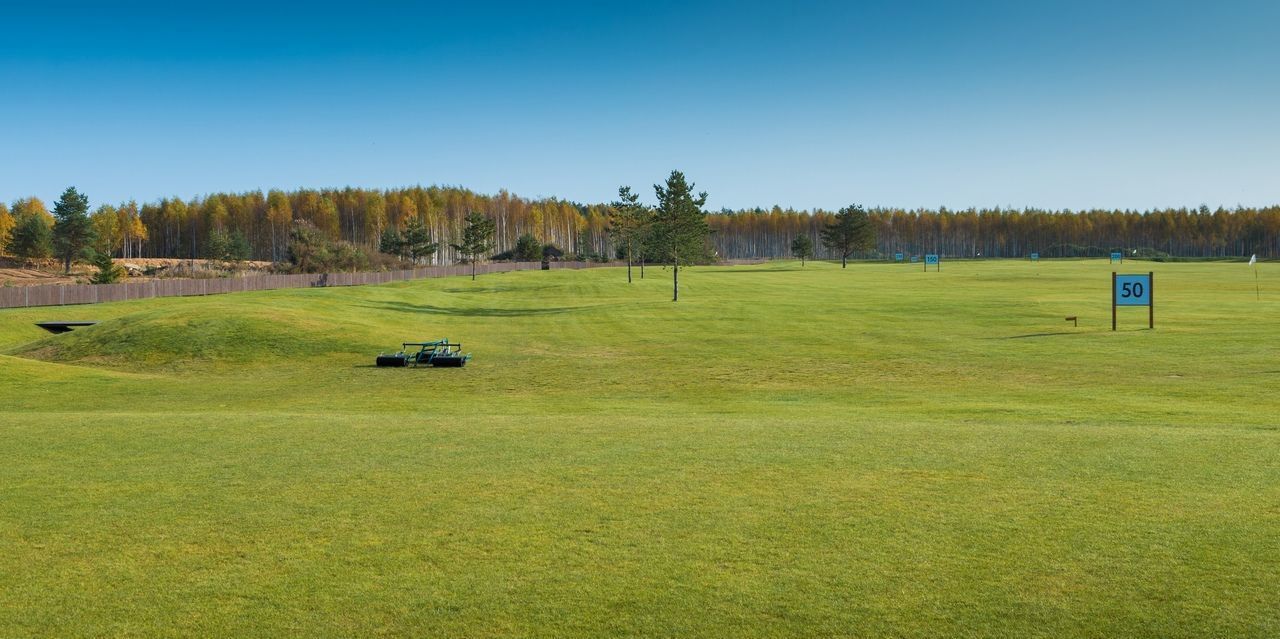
(15, 272)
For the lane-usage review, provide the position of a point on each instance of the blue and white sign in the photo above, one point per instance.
(1117, 257)
(1133, 290)
(931, 258)
(915, 258)
(1035, 257)
(897, 257)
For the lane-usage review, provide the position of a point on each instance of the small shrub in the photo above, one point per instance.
(108, 271)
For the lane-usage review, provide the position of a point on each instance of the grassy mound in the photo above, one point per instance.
(193, 334)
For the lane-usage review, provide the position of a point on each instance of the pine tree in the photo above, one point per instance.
(802, 248)
(627, 221)
(477, 239)
(238, 248)
(528, 249)
(72, 230)
(417, 243)
(391, 242)
(32, 239)
(108, 271)
(679, 230)
(851, 231)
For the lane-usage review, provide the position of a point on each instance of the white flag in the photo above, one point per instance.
(1253, 260)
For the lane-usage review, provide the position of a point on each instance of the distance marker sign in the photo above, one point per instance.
(932, 258)
(897, 257)
(1133, 290)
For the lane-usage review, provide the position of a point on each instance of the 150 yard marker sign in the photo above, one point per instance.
(1133, 290)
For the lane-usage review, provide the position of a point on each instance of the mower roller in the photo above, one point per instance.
(438, 353)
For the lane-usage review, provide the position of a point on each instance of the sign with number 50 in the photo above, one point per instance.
(1132, 290)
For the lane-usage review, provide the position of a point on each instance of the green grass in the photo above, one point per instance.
(873, 451)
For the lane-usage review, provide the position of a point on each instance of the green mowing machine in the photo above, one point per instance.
(438, 353)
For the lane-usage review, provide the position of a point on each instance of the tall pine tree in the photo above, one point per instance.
(72, 229)
(627, 221)
(679, 225)
(850, 232)
(477, 239)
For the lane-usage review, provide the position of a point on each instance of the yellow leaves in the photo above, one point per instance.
(31, 206)
(6, 225)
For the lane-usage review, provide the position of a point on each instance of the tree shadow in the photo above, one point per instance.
(495, 289)
(1030, 335)
(735, 269)
(480, 311)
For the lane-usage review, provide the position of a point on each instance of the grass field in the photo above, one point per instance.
(873, 451)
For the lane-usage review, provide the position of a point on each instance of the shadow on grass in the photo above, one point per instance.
(495, 289)
(736, 269)
(480, 311)
(1029, 335)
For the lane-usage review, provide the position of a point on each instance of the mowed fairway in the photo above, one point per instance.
(873, 451)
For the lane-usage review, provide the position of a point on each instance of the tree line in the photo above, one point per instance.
(257, 225)
(425, 225)
(1183, 232)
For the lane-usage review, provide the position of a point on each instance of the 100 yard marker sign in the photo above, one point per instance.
(1133, 290)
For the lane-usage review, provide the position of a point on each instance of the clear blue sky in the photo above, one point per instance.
(1052, 104)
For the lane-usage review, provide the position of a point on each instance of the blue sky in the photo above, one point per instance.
(804, 104)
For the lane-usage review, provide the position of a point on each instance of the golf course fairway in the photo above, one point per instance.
(787, 451)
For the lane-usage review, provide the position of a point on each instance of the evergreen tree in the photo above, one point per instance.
(231, 247)
(417, 243)
(802, 248)
(679, 230)
(391, 242)
(238, 248)
(218, 246)
(628, 219)
(477, 239)
(108, 271)
(308, 249)
(32, 238)
(72, 229)
(528, 248)
(850, 231)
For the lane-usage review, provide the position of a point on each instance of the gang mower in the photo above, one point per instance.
(438, 353)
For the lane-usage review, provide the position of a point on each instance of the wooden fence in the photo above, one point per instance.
(58, 295)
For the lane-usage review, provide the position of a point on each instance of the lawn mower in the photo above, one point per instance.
(437, 353)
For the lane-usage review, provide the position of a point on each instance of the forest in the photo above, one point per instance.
(259, 223)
